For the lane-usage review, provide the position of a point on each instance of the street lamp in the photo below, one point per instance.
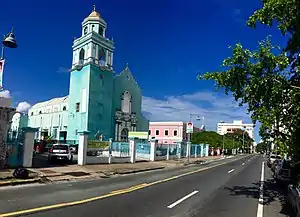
(198, 118)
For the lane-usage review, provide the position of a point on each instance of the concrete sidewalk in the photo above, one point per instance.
(73, 172)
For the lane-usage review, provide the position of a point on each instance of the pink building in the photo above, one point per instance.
(169, 132)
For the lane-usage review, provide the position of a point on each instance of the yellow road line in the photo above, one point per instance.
(113, 193)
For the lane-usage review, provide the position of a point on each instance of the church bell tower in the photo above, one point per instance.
(91, 80)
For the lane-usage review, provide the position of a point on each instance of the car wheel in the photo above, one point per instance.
(71, 159)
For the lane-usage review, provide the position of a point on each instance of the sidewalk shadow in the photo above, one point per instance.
(272, 192)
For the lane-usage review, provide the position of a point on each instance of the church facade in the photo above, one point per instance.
(106, 104)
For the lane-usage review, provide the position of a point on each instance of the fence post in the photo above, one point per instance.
(195, 151)
(132, 149)
(28, 145)
(188, 149)
(179, 150)
(152, 149)
(82, 147)
(207, 149)
(168, 152)
(202, 150)
(110, 151)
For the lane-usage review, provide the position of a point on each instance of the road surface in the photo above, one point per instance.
(227, 188)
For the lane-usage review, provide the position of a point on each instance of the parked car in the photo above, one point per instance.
(294, 196)
(272, 158)
(60, 152)
(282, 171)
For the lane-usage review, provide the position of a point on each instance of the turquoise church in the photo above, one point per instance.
(106, 104)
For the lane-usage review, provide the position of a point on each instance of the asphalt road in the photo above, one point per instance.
(228, 190)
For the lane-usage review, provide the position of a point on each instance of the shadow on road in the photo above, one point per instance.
(41, 161)
(272, 193)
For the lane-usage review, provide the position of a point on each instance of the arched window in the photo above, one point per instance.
(93, 27)
(85, 30)
(81, 56)
(101, 57)
(64, 108)
(31, 113)
(40, 112)
(101, 31)
(126, 102)
(124, 135)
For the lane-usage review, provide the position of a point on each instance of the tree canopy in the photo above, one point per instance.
(231, 141)
(267, 79)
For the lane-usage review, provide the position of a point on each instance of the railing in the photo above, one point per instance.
(143, 150)
(120, 149)
(161, 150)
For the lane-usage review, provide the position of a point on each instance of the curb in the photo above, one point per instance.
(19, 182)
(139, 171)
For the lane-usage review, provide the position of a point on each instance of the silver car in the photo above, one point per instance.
(60, 152)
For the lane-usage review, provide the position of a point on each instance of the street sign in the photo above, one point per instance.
(189, 127)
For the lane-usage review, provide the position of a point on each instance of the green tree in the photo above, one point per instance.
(267, 79)
(263, 147)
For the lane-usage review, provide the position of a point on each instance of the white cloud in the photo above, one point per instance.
(23, 107)
(210, 105)
(5, 94)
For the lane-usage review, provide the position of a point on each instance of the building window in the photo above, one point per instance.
(64, 108)
(166, 132)
(77, 107)
(93, 26)
(126, 102)
(175, 132)
(40, 112)
(149, 133)
(157, 132)
(31, 113)
(101, 31)
(81, 56)
(85, 30)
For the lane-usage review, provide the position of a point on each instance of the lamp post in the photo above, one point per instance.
(198, 118)
(8, 41)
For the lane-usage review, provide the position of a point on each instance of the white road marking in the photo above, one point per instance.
(243, 164)
(182, 199)
(230, 171)
(260, 206)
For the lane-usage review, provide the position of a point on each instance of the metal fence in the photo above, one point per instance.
(119, 149)
(161, 150)
(143, 150)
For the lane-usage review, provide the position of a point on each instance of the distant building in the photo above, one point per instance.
(170, 132)
(224, 128)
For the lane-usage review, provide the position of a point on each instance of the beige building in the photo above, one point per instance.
(224, 128)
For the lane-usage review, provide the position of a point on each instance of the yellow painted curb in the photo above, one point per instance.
(113, 193)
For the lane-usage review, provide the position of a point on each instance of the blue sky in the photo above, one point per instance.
(166, 43)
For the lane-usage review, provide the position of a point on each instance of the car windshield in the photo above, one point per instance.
(60, 147)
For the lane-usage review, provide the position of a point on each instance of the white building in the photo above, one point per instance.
(50, 117)
(224, 128)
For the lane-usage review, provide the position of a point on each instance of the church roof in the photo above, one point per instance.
(94, 16)
(54, 101)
